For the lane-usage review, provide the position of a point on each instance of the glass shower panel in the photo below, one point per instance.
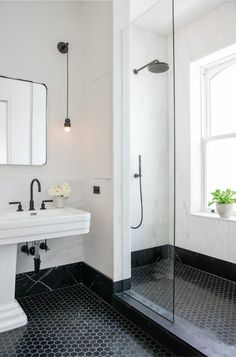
(148, 107)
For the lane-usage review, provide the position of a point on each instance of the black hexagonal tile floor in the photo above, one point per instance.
(205, 300)
(75, 322)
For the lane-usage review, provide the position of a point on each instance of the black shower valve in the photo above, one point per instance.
(32, 250)
(44, 246)
(25, 248)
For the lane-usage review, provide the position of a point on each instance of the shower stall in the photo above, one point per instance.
(190, 46)
(149, 157)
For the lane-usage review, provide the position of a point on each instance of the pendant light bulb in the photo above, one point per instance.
(67, 125)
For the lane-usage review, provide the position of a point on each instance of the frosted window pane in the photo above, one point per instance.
(220, 165)
(223, 102)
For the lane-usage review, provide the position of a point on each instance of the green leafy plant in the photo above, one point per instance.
(223, 197)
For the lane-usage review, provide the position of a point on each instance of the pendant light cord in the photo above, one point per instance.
(67, 81)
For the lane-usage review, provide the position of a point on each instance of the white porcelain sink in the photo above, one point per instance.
(47, 213)
(18, 227)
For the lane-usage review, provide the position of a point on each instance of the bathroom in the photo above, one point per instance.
(136, 262)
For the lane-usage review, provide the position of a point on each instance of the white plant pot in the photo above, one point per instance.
(224, 210)
(59, 202)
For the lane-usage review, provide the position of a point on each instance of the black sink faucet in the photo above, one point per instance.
(31, 204)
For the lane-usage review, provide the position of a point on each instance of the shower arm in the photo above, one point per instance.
(146, 65)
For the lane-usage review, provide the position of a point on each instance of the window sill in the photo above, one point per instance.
(214, 216)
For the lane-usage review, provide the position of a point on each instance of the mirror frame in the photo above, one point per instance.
(46, 121)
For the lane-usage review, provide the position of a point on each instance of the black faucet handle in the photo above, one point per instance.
(19, 209)
(43, 203)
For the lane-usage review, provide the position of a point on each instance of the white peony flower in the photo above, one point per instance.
(65, 189)
(62, 190)
(58, 192)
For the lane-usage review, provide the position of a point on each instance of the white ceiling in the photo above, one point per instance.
(158, 18)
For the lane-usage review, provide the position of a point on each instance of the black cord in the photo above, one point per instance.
(141, 203)
(67, 81)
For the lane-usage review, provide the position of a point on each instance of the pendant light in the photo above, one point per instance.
(63, 47)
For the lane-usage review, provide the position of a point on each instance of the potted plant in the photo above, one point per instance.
(224, 201)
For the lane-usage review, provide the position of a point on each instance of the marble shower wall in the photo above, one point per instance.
(149, 137)
(212, 32)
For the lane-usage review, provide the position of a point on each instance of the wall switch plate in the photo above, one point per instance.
(96, 190)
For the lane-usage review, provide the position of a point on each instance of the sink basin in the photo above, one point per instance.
(27, 226)
(48, 213)
(19, 227)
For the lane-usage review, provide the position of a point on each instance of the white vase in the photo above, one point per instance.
(59, 202)
(224, 210)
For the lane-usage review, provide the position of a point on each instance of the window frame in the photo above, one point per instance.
(207, 73)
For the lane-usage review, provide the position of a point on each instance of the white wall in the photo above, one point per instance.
(97, 162)
(138, 7)
(88, 27)
(121, 230)
(212, 32)
(29, 33)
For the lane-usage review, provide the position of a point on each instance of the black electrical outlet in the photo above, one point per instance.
(96, 189)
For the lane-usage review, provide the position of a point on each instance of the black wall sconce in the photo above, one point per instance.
(63, 47)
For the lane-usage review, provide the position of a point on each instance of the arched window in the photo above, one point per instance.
(219, 127)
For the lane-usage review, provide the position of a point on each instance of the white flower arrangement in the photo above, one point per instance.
(62, 190)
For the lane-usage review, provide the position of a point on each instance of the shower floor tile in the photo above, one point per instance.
(205, 300)
(75, 322)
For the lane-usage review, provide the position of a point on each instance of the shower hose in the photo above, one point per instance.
(141, 200)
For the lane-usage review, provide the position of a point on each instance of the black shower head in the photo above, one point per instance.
(154, 67)
(158, 67)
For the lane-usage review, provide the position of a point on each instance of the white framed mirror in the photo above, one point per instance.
(23, 122)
